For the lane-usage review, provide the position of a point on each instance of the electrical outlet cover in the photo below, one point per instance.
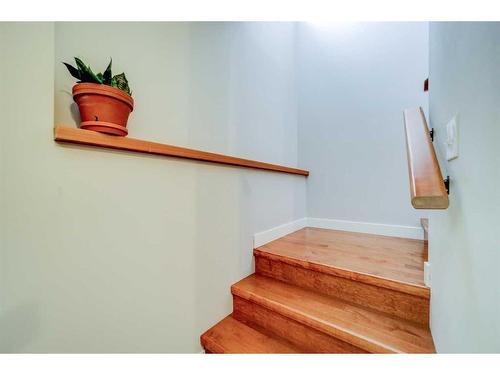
(451, 143)
(427, 274)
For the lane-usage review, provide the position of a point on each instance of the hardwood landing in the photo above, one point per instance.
(388, 258)
(326, 291)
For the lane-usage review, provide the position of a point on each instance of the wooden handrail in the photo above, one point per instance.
(91, 138)
(427, 188)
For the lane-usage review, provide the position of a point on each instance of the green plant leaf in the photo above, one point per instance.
(73, 71)
(86, 73)
(107, 76)
(120, 82)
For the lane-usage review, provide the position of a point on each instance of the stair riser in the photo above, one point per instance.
(392, 302)
(304, 337)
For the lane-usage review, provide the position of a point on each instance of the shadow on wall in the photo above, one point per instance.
(13, 339)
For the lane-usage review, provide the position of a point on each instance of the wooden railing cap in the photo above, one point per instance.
(91, 138)
(427, 189)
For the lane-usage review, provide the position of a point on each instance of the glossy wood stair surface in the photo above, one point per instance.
(378, 258)
(230, 336)
(383, 273)
(326, 291)
(363, 328)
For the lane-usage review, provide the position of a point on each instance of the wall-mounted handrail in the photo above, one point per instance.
(427, 188)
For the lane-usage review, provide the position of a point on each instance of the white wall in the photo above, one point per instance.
(355, 79)
(107, 251)
(464, 240)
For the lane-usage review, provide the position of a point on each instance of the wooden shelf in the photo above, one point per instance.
(427, 188)
(90, 138)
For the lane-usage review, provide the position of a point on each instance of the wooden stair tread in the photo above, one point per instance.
(231, 336)
(364, 328)
(390, 262)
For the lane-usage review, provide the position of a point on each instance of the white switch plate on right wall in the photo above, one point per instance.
(451, 142)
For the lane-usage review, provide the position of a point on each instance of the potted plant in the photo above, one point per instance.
(104, 100)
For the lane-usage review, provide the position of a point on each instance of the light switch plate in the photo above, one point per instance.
(451, 142)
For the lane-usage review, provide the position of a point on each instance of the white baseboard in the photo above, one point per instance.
(272, 234)
(371, 228)
(351, 226)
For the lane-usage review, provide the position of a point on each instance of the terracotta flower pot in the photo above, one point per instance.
(103, 108)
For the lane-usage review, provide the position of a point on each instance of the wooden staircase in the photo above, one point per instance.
(326, 291)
